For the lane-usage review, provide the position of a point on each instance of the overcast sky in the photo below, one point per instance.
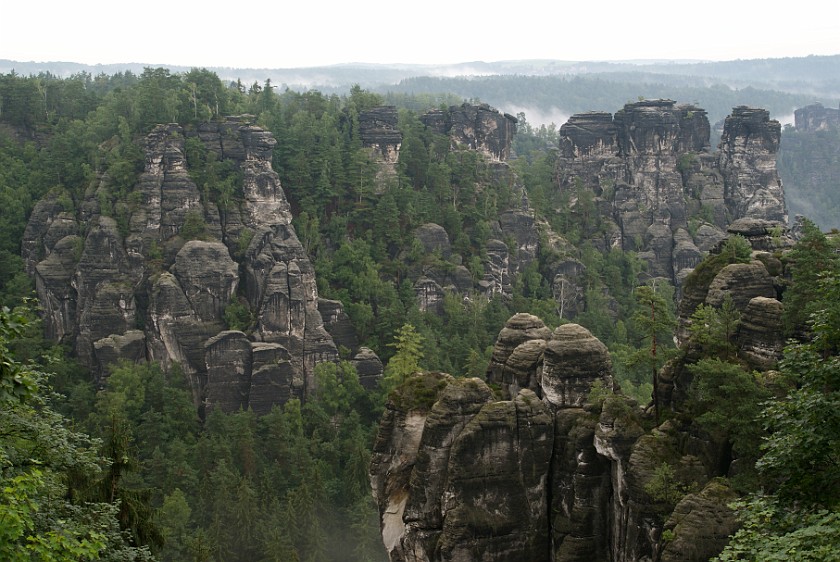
(285, 34)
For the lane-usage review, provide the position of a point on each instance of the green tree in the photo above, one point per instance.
(406, 361)
(713, 329)
(727, 401)
(655, 321)
(44, 469)
(814, 254)
(797, 516)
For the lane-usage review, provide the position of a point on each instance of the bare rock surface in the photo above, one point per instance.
(171, 269)
(461, 472)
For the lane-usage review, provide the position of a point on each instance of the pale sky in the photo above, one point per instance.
(285, 34)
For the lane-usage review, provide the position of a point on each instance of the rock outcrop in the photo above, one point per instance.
(158, 285)
(748, 148)
(380, 136)
(658, 188)
(547, 472)
(809, 166)
(816, 117)
(477, 127)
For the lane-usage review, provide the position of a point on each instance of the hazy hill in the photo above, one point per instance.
(545, 90)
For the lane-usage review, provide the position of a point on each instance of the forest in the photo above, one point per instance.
(125, 467)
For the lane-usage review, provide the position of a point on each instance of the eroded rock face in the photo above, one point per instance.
(477, 127)
(395, 453)
(816, 117)
(378, 130)
(760, 340)
(157, 285)
(511, 367)
(460, 475)
(651, 172)
(467, 480)
(573, 360)
(748, 150)
(701, 524)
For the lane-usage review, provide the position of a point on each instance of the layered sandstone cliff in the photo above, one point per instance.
(659, 188)
(154, 281)
(544, 463)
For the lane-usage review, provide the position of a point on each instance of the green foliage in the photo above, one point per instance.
(237, 315)
(812, 256)
(727, 402)
(801, 453)
(418, 392)
(736, 249)
(797, 517)
(714, 329)
(598, 393)
(655, 322)
(774, 531)
(45, 472)
(686, 163)
(17, 382)
(665, 487)
(195, 228)
(406, 361)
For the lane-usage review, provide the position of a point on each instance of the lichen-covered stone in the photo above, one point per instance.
(151, 272)
(495, 500)
(573, 360)
(520, 328)
(700, 524)
(741, 282)
(760, 340)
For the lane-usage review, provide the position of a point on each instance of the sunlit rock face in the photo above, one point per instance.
(153, 280)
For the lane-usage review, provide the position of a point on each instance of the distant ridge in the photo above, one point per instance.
(813, 69)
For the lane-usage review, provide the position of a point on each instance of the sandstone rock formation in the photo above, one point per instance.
(748, 148)
(754, 290)
(477, 127)
(547, 472)
(657, 185)
(157, 286)
(816, 117)
(379, 134)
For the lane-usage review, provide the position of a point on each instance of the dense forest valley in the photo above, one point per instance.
(241, 322)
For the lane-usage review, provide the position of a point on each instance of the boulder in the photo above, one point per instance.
(760, 340)
(700, 524)
(519, 329)
(573, 360)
